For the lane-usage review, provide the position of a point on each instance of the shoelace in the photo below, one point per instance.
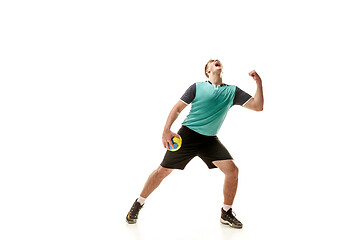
(232, 217)
(135, 210)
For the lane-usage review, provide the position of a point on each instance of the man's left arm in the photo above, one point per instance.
(256, 103)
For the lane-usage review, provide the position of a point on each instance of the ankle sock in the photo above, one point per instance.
(227, 207)
(141, 200)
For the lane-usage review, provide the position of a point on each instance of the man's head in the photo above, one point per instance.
(214, 66)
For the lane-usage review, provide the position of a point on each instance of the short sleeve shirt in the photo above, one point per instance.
(210, 105)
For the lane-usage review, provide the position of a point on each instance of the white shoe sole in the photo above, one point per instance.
(228, 223)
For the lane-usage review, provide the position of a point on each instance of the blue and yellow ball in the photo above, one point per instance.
(176, 142)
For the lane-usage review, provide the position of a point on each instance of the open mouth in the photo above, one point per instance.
(217, 64)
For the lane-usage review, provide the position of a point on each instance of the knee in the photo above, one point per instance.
(162, 172)
(233, 171)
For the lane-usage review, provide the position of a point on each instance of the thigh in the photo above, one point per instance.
(212, 151)
(178, 159)
(226, 166)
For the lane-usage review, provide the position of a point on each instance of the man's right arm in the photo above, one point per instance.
(174, 113)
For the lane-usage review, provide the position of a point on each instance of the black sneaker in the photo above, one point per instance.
(230, 219)
(134, 212)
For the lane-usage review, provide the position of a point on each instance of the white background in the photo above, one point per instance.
(86, 87)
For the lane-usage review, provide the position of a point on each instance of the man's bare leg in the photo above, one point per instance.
(230, 170)
(151, 184)
(154, 180)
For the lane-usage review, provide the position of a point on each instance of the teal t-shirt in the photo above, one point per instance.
(210, 105)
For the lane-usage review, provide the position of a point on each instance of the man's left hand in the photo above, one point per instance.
(255, 76)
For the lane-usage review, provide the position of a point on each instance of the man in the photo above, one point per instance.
(210, 102)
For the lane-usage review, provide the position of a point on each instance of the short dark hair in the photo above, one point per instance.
(206, 74)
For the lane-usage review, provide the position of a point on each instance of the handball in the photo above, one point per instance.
(176, 141)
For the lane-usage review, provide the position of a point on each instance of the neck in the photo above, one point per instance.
(215, 79)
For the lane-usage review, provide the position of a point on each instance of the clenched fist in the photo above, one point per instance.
(255, 76)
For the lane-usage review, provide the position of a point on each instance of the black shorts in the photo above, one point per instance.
(208, 148)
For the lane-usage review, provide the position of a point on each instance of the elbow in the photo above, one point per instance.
(178, 110)
(259, 109)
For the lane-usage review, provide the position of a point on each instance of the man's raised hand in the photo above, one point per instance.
(255, 76)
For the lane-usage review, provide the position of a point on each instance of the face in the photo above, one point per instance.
(214, 66)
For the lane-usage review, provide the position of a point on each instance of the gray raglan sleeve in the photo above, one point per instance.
(241, 97)
(189, 94)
